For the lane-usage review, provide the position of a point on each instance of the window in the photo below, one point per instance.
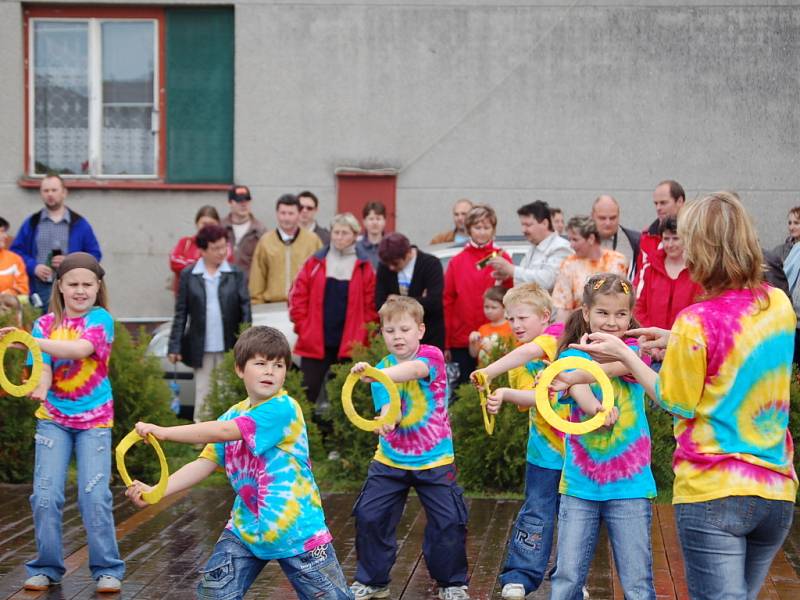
(130, 93)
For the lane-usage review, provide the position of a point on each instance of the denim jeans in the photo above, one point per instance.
(628, 523)
(232, 568)
(54, 447)
(532, 536)
(728, 544)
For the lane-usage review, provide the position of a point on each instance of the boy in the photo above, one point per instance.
(528, 309)
(497, 329)
(417, 452)
(262, 445)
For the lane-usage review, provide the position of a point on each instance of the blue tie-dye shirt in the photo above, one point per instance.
(277, 512)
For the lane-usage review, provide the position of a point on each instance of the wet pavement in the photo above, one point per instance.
(164, 545)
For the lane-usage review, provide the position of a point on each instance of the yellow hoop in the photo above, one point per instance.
(543, 397)
(21, 337)
(482, 383)
(391, 416)
(129, 440)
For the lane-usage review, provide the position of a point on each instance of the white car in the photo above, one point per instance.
(276, 314)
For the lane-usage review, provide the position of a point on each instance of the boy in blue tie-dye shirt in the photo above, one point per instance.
(262, 445)
(417, 452)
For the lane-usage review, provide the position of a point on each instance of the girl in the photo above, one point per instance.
(76, 414)
(725, 378)
(606, 474)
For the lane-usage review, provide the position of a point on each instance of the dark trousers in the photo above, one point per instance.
(314, 372)
(466, 363)
(380, 506)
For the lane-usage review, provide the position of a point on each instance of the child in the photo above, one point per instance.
(76, 412)
(417, 452)
(528, 308)
(490, 334)
(262, 445)
(374, 215)
(607, 474)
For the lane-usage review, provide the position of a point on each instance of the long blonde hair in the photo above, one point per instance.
(722, 249)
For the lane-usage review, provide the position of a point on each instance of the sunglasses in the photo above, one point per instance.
(308, 207)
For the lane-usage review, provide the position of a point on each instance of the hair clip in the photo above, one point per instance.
(625, 287)
(598, 284)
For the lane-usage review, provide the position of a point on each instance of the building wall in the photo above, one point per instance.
(501, 104)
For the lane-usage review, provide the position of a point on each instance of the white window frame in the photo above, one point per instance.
(95, 97)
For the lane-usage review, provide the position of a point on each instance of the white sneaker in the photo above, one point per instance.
(38, 583)
(364, 592)
(454, 592)
(513, 591)
(585, 593)
(106, 584)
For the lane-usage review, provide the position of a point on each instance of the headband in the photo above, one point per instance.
(80, 260)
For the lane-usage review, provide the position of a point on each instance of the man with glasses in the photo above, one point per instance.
(244, 230)
(308, 216)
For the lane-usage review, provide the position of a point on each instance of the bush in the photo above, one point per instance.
(663, 447)
(228, 389)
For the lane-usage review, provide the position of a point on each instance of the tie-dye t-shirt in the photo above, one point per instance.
(277, 512)
(80, 395)
(545, 444)
(726, 378)
(610, 464)
(422, 439)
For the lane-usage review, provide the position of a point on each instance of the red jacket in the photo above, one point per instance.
(306, 310)
(464, 286)
(659, 298)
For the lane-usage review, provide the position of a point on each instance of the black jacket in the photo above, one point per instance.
(188, 340)
(427, 285)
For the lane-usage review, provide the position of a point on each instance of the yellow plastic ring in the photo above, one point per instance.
(391, 416)
(543, 397)
(482, 383)
(21, 337)
(129, 440)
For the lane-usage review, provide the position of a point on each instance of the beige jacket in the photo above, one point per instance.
(275, 264)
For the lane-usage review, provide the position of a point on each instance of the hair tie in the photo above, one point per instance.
(599, 283)
(625, 287)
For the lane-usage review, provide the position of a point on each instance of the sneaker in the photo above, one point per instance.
(107, 584)
(364, 592)
(38, 583)
(454, 592)
(513, 591)
(585, 593)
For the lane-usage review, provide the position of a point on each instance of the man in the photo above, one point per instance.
(308, 216)
(244, 230)
(605, 214)
(280, 253)
(48, 235)
(668, 199)
(543, 259)
(458, 235)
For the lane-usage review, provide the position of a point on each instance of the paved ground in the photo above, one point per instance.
(164, 545)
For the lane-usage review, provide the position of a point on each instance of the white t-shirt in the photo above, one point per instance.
(239, 229)
(404, 276)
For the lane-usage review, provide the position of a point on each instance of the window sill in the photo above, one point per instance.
(123, 184)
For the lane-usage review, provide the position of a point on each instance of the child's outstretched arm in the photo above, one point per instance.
(399, 373)
(524, 398)
(516, 358)
(67, 349)
(585, 399)
(185, 477)
(209, 432)
(474, 344)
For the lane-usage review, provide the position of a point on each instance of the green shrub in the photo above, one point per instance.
(663, 447)
(228, 389)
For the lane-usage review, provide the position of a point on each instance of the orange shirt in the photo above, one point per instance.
(575, 271)
(491, 335)
(13, 276)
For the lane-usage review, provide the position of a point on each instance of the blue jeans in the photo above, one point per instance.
(532, 537)
(232, 568)
(728, 544)
(628, 523)
(54, 446)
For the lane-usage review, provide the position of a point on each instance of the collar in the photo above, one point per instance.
(200, 268)
(288, 238)
(43, 214)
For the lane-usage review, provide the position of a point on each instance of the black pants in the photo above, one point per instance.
(314, 372)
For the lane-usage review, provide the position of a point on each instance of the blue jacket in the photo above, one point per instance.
(81, 239)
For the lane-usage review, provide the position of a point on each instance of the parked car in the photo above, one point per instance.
(276, 314)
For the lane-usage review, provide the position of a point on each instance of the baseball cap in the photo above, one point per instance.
(239, 193)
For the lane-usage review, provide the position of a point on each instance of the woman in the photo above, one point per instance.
(793, 224)
(467, 277)
(331, 302)
(664, 287)
(211, 306)
(186, 252)
(789, 253)
(725, 378)
(589, 259)
(405, 270)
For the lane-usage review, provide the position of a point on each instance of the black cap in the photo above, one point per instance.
(239, 193)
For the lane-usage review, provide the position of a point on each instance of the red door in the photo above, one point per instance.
(356, 187)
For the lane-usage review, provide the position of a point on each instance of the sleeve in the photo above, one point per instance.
(640, 308)
(433, 286)
(382, 285)
(621, 265)
(38, 332)
(370, 312)
(267, 425)
(546, 273)
(259, 271)
(90, 243)
(380, 395)
(548, 343)
(99, 332)
(181, 314)
(177, 258)
(433, 358)
(449, 301)
(298, 296)
(508, 282)
(215, 453)
(562, 291)
(21, 243)
(245, 310)
(20, 284)
(681, 381)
